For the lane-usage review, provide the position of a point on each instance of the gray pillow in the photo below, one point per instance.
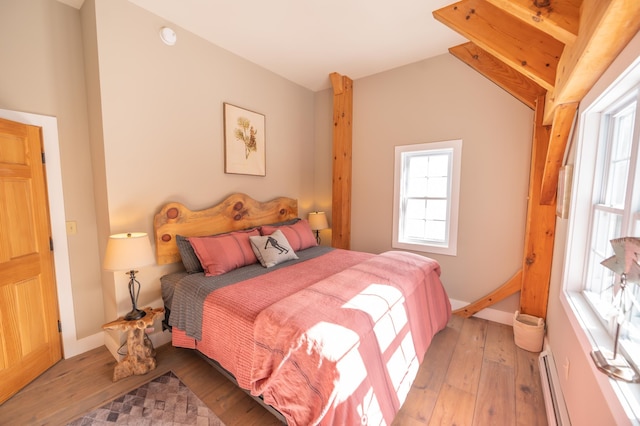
(189, 259)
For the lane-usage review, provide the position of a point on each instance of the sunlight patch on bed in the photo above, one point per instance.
(397, 365)
(385, 305)
(334, 339)
(370, 411)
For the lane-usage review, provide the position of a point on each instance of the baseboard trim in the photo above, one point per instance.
(489, 314)
(80, 346)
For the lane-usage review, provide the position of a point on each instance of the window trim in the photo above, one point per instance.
(450, 248)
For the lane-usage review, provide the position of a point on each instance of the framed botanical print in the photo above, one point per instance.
(244, 141)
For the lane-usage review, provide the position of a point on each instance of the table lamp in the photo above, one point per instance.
(126, 252)
(318, 221)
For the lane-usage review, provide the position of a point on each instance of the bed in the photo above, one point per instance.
(324, 336)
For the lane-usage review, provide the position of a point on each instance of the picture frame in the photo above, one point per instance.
(244, 141)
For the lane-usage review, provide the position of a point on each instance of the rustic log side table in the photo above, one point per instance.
(140, 358)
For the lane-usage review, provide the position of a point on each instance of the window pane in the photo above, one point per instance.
(621, 141)
(418, 165)
(414, 229)
(619, 171)
(417, 187)
(607, 226)
(416, 208)
(437, 187)
(435, 230)
(439, 165)
(427, 191)
(437, 210)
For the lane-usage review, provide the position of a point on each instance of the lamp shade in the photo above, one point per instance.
(318, 220)
(126, 252)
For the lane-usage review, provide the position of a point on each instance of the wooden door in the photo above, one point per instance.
(29, 336)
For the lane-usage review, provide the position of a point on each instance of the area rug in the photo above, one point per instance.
(164, 400)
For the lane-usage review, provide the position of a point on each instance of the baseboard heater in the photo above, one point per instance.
(557, 414)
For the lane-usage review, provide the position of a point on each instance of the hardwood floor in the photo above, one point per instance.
(473, 374)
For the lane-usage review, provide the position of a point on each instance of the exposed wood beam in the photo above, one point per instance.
(342, 154)
(560, 132)
(521, 46)
(606, 27)
(540, 228)
(512, 286)
(530, 41)
(560, 19)
(518, 85)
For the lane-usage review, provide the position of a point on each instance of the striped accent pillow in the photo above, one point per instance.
(299, 234)
(223, 253)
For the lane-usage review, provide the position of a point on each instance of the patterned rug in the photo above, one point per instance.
(164, 400)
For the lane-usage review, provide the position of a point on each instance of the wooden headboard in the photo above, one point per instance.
(238, 211)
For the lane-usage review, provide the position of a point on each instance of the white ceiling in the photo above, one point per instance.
(306, 40)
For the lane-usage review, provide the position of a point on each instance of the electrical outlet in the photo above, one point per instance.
(72, 228)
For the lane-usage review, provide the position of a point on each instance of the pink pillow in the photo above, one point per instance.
(299, 234)
(222, 253)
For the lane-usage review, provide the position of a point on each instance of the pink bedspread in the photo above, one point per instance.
(325, 347)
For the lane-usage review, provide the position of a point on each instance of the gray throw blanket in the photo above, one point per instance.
(184, 294)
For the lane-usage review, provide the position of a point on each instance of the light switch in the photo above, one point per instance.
(72, 228)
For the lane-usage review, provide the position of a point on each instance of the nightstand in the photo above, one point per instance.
(140, 358)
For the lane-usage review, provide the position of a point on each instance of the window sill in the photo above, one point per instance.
(591, 334)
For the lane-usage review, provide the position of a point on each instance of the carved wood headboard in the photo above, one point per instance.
(238, 211)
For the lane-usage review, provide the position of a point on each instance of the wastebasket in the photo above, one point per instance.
(528, 332)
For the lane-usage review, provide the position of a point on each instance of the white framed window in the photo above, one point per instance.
(606, 205)
(426, 193)
(615, 210)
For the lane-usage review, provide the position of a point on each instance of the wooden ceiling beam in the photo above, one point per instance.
(606, 27)
(521, 46)
(517, 84)
(560, 19)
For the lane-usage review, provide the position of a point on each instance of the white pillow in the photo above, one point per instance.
(272, 249)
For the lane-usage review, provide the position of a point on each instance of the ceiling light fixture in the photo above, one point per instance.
(168, 36)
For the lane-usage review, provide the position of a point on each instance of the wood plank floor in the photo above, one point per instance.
(473, 374)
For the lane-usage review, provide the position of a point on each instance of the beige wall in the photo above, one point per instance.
(42, 73)
(140, 124)
(442, 99)
(160, 110)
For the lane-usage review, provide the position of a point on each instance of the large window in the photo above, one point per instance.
(615, 212)
(427, 182)
(606, 205)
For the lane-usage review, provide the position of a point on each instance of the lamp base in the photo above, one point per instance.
(135, 314)
(615, 367)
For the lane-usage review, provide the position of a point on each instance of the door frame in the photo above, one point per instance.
(71, 345)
